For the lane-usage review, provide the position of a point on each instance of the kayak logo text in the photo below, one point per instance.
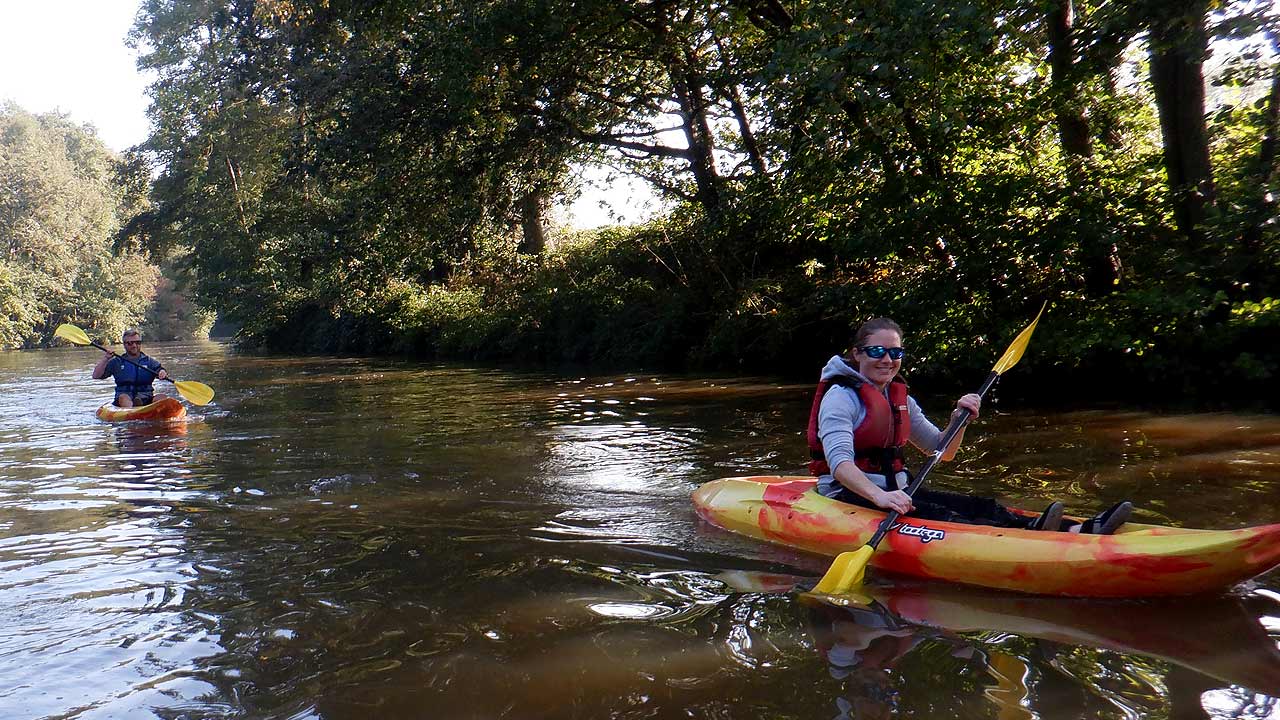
(926, 534)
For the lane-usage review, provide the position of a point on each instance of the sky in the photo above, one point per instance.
(70, 56)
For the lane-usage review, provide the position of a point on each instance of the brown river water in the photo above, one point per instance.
(360, 539)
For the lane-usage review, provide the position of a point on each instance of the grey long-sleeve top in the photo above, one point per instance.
(841, 411)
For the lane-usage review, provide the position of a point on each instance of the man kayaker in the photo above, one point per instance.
(862, 418)
(134, 371)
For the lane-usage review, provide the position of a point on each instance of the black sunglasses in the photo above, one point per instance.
(875, 352)
(132, 342)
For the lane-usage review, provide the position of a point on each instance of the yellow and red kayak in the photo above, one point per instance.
(165, 408)
(1138, 561)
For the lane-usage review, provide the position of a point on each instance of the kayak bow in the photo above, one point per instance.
(165, 408)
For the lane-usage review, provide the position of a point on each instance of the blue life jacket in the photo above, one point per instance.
(131, 379)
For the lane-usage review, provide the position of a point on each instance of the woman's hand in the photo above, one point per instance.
(896, 500)
(969, 403)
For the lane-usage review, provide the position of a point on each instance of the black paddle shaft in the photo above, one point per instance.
(126, 359)
(958, 421)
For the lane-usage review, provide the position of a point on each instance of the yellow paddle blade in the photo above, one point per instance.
(72, 334)
(1014, 353)
(845, 572)
(197, 393)
(849, 598)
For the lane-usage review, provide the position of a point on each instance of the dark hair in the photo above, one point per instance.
(868, 328)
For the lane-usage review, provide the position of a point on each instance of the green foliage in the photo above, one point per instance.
(22, 307)
(614, 296)
(61, 203)
(607, 297)
(454, 322)
(353, 177)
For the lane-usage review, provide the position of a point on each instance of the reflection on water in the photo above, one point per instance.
(465, 542)
(1043, 657)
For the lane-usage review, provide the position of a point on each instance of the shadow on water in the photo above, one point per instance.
(340, 538)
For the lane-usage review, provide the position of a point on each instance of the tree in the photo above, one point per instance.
(61, 202)
(1179, 42)
(1073, 126)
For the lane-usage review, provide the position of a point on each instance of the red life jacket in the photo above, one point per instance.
(878, 439)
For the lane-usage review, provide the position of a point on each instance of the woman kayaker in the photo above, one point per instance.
(863, 646)
(134, 372)
(861, 419)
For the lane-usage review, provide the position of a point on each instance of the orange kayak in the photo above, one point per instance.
(165, 408)
(1138, 561)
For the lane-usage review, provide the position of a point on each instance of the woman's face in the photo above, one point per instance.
(882, 370)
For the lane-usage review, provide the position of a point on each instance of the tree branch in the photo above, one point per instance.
(658, 150)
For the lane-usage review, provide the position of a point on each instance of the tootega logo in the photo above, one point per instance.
(926, 534)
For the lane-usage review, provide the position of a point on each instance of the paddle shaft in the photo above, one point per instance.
(957, 424)
(126, 359)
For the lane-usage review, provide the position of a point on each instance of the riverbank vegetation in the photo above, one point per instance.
(64, 200)
(376, 177)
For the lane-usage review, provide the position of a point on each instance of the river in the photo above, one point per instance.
(355, 538)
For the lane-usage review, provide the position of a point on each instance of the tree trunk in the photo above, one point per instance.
(697, 132)
(1179, 44)
(1107, 119)
(1271, 131)
(687, 84)
(1073, 126)
(1101, 57)
(1098, 256)
(1263, 205)
(233, 171)
(534, 241)
(749, 143)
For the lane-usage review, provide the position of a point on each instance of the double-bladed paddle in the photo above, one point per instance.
(849, 567)
(195, 392)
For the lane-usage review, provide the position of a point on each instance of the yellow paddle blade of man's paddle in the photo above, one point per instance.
(1018, 346)
(197, 393)
(72, 334)
(846, 571)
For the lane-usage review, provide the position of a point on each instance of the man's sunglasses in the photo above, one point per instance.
(875, 352)
(139, 342)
